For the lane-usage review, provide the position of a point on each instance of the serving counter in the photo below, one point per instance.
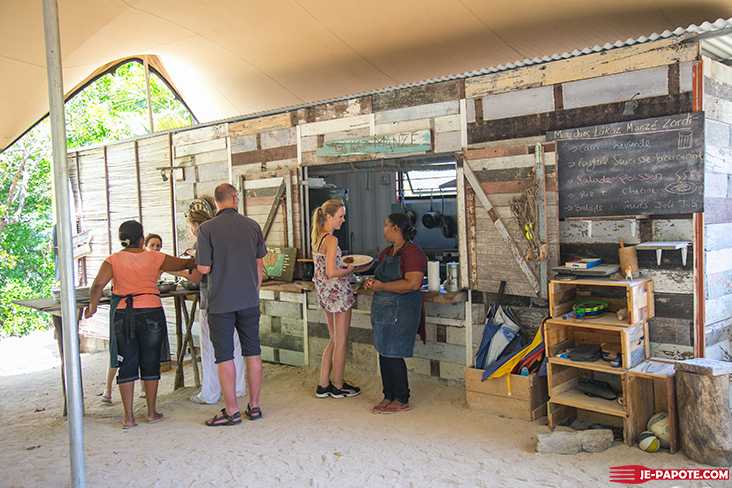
(294, 331)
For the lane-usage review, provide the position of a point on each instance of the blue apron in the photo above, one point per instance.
(394, 316)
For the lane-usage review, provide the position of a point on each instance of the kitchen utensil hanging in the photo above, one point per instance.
(432, 218)
(447, 225)
(412, 217)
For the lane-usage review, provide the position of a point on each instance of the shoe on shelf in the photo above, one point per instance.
(322, 392)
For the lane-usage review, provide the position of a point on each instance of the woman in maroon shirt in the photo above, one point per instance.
(397, 310)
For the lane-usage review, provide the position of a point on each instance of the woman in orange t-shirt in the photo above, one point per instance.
(139, 321)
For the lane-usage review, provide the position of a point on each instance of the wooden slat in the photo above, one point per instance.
(631, 58)
(500, 226)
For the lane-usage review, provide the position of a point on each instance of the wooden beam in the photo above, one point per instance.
(273, 210)
(541, 215)
(501, 227)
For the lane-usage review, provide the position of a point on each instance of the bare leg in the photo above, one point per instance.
(254, 378)
(341, 326)
(151, 399)
(127, 392)
(111, 372)
(227, 379)
(327, 362)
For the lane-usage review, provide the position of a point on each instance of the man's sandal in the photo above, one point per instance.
(223, 419)
(253, 413)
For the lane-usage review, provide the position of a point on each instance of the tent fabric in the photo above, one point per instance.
(231, 58)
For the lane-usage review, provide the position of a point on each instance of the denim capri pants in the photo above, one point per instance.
(139, 350)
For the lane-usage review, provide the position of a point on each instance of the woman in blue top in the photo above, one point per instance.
(397, 311)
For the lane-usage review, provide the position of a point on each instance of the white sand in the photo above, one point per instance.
(301, 441)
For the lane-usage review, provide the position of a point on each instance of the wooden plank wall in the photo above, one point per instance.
(503, 178)
(263, 154)
(520, 106)
(204, 153)
(718, 207)
(107, 185)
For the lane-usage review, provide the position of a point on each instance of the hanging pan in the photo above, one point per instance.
(432, 218)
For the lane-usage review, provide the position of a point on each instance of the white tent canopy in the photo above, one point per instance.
(229, 58)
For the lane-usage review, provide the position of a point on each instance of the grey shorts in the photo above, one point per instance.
(222, 327)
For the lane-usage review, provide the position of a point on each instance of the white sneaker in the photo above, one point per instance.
(197, 399)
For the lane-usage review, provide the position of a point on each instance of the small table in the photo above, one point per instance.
(182, 313)
(655, 380)
(185, 339)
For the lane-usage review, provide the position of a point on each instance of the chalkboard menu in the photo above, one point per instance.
(640, 167)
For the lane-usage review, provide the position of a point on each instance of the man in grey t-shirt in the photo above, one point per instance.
(230, 250)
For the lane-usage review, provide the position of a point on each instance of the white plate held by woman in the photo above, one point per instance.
(356, 260)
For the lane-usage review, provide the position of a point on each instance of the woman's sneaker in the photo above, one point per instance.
(321, 392)
(345, 391)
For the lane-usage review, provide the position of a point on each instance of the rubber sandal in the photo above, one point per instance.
(217, 420)
(380, 407)
(128, 427)
(396, 408)
(107, 400)
(253, 413)
(157, 419)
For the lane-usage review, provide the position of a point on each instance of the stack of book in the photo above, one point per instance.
(583, 263)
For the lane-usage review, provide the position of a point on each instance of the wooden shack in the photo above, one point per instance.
(501, 129)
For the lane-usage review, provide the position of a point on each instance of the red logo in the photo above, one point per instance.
(635, 474)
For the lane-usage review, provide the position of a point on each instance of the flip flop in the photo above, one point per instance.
(396, 409)
(381, 406)
(224, 420)
(157, 419)
(128, 427)
(253, 413)
(107, 400)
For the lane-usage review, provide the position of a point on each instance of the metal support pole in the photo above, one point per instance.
(65, 239)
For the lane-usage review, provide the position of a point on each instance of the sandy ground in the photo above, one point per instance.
(301, 441)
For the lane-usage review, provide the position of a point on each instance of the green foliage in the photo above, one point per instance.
(19, 321)
(111, 108)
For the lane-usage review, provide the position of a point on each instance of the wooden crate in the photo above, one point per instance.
(635, 295)
(561, 335)
(528, 399)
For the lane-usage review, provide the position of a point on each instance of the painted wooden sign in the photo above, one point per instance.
(397, 143)
(651, 166)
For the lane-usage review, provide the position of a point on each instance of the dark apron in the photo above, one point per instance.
(129, 331)
(394, 316)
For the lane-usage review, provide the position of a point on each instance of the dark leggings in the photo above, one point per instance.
(394, 379)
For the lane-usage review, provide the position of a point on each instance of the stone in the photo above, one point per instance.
(558, 443)
(590, 440)
(596, 440)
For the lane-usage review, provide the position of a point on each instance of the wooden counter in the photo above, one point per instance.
(429, 296)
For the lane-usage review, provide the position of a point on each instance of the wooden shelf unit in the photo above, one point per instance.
(566, 402)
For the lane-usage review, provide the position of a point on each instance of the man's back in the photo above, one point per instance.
(230, 244)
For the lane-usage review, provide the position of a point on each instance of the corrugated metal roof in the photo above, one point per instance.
(716, 43)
